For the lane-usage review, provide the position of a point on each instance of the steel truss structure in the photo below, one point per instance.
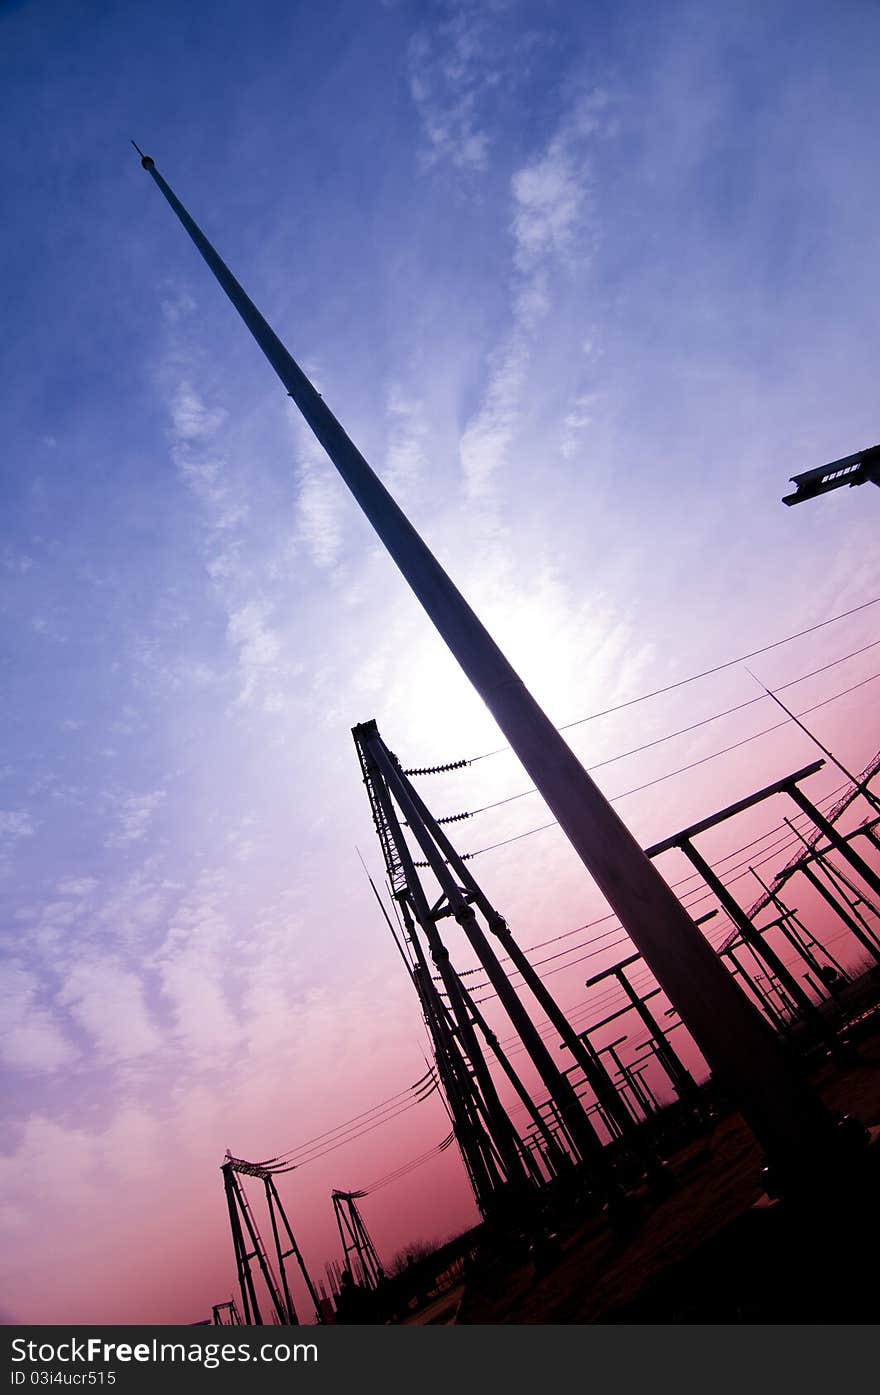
(360, 1257)
(248, 1244)
(495, 1156)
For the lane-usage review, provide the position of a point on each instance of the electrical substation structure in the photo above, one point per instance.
(249, 1248)
(750, 1032)
(497, 1160)
(799, 1135)
(359, 1253)
(226, 1314)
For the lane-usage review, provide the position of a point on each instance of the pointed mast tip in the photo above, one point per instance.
(146, 160)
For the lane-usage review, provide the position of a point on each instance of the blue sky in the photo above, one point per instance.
(587, 284)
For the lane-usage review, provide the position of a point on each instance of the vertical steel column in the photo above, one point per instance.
(779, 1022)
(245, 1277)
(482, 1118)
(800, 949)
(844, 915)
(681, 1078)
(259, 1251)
(457, 1081)
(359, 1242)
(292, 1318)
(503, 1061)
(860, 785)
(847, 889)
(641, 1072)
(842, 882)
(855, 861)
(294, 1250)
(473, 1142)
(753, 937)
(809, 938)
(626, 1079)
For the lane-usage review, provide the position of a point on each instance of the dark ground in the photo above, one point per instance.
(708, 1253)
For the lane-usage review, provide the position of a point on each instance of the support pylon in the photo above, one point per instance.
(245, 1232)
(226, 1314)
(360, 1257)
(457, 1080)
(389, 791)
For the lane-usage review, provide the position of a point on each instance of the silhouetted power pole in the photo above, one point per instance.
(461, 897)
(797, 1131)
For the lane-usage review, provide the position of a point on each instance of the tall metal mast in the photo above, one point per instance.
(795, 1128)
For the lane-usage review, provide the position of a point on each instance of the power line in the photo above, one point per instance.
(683, 731)
(774, 849)
(694, 896)
(625, 939)
(705, 673)
(640, 978)
(392, 1100)
(768, 833)
(322, 1152)
(772, 852)
(777, 726)
(397, 1173)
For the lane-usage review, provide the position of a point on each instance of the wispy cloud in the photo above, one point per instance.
(194, 428)
(192, 419)
(78, 886)
(466, 67)
(133, 815)
(195, 963)
(108, 1002)
(177, 305)
(487, 438)
(405, 457)
(319, 505)
(448, 78)
(551, 191)
(552, 225)
(31, 1038)
(15, 823)
(259, 649)
(16, 561)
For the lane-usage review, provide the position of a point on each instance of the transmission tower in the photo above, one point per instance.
(394, 801)
(474, 1120)
(248, 1244)
(226, 1314)
(360, 1258)
(482, 1136)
